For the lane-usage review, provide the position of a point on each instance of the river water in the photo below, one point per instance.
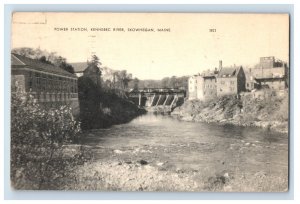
(188, 146)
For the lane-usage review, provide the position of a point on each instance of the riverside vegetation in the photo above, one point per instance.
(44, 144)
(271, 112)
(49, 152)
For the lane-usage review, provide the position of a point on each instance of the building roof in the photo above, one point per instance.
(19, 61)
(92, 68)
(228, 72)
(79, 66)
(209, 76)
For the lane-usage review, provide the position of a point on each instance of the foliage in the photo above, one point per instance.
(95, 63)
(166, 82)
(89, 99)
(118, 82)
(101, 108)
(45, 57)
(62, 63)
(37, 139)
(135, 83)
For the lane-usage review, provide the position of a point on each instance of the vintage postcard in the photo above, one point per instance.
(150, 102)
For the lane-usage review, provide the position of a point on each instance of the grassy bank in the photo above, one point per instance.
(270, 112)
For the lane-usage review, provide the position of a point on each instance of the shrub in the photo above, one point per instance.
(37, 137)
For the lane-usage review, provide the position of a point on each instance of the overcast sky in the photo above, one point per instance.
(187, 49)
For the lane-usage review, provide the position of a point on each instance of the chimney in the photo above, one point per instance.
(220, 64)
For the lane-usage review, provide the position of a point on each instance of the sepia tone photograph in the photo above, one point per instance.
(162, 102)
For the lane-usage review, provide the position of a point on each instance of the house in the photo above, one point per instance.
(47, 83)
(192, 87)
(93, 72)
(206, 86)
(230, 81)
(79, 67)
(251, 82)
(106, 73)
(271, 73)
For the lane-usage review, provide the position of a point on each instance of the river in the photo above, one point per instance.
(178, 146)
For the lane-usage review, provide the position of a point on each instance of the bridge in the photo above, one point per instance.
(165, 98)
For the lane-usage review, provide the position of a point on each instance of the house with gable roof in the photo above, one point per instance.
(231, 81)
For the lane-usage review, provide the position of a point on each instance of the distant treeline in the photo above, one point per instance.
(167, 82)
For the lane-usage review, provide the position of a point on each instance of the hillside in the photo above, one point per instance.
(270, 113)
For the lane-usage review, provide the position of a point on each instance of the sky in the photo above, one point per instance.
(187, 47)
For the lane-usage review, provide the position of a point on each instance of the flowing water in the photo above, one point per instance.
(190, 146)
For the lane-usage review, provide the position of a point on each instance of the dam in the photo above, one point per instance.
(165, 98)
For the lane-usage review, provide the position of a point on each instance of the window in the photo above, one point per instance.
(76, 86)
(232, 82)
(30, 82)
(38, 81)
(222, 82)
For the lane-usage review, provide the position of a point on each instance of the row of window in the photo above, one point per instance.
(231, 82)
(210, 86)
(49, 83)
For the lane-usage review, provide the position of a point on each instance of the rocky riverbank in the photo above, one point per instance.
(121, 170)
(271, 113)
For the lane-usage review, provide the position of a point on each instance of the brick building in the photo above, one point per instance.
(230, 81)
(47, 83)
(271, 73)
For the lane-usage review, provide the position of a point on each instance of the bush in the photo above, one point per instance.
(37, 137)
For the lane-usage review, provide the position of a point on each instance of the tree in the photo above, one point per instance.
(45, 57)
(44, 60)
(165, 82)
(37, 136)
(95, 61)
(135, 83)
(124, 79)
(62, 63)
(173, 82)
